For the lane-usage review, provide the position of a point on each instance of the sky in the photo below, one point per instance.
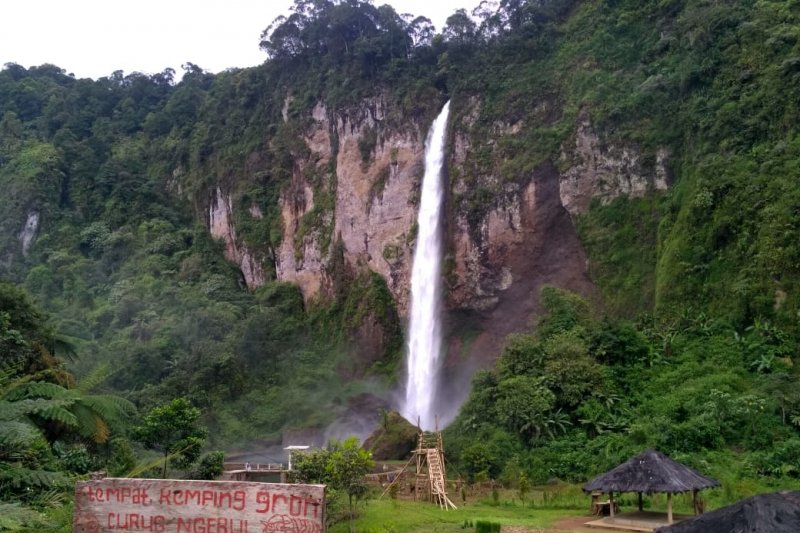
(93, 38)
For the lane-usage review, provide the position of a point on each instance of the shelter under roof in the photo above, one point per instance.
(649, 472)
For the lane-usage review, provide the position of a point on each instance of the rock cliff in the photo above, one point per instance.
(358, 187)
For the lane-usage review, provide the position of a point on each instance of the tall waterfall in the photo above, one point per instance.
(424, 335)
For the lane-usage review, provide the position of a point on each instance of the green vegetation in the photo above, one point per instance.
(403, 516)
(342, 467)
(52, 429)
(584, 393)
(691, 345)
(174, 430)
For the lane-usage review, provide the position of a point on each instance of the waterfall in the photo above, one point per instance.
(424, 332)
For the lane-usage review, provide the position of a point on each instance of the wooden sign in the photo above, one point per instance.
(177, 506)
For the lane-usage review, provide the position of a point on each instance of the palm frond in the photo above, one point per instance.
(50, 499)
(93, 379)
(15, 435)
(90, 424)
(109, 407)
(41, 407)
(38, 389)
(55, 411)
(20, 477)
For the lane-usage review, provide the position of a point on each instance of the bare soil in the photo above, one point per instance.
(567, 525)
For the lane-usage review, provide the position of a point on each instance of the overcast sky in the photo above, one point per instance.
(93, 38)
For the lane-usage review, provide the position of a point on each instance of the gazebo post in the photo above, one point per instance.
(640, 501)
(611, 506)
(669, 507)
(694, 502)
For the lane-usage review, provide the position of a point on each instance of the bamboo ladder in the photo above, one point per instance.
(430, 476)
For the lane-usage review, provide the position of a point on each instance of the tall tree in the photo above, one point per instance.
(342, 466)
(175, 430)
(347, 466)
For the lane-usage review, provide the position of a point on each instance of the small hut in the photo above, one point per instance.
(648, 473)
(778, 512)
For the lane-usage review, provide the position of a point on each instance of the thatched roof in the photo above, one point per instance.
(778, 512)
(650, 471)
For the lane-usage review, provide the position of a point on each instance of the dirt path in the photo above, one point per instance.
(573, 524)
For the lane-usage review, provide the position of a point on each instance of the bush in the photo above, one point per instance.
(482, 526)
(211, 466)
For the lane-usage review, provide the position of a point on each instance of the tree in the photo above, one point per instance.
(523, 405)
(342, 466)
(347, 465)
(459, 28)
(173, 429)
(33, 414)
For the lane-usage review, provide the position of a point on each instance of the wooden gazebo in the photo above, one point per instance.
(778, 512)
(648, 473)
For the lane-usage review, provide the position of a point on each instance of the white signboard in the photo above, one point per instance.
(177, 506)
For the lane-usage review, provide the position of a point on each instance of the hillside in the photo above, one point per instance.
(244, 239)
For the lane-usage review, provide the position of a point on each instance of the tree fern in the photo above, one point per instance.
(14, 436)
(89, 415)
(18, 476)
(96, 377)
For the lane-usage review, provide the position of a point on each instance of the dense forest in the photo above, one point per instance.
(119, 309)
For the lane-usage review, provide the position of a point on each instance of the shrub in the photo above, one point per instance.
(482, 526)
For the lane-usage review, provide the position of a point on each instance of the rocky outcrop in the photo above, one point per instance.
(367, 204)
(378, 170)
(376, 200)
(596, 169)
(220, 216)
(28, 231)
(352, 203)
(527, 240)
(355, 190)
(300, 258)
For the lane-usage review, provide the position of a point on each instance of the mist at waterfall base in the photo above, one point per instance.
(425, 323)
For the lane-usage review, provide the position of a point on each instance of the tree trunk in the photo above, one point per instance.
(166, 459)
(352, 523)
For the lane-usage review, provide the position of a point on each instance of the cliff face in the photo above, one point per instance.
(358, 187)
(377, 173)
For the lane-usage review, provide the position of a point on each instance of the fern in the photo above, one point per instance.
(90, 424)
(15, 435)
(90, 415)
(94, 379)
(14, 517)
(19, 477)
(37, 389)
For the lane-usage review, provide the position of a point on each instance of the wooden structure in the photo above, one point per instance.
(111, 504)
(648, 473)
(778, 512)
(430, 481)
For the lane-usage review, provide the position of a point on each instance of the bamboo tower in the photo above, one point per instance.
(430, 481)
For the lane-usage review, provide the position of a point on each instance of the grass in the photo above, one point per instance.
(543, 507)
(399, 516)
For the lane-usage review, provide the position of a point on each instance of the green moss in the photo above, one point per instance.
(366, 143)
(381, 179)
(621, 242)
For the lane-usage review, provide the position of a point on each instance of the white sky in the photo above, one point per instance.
(93, 38)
